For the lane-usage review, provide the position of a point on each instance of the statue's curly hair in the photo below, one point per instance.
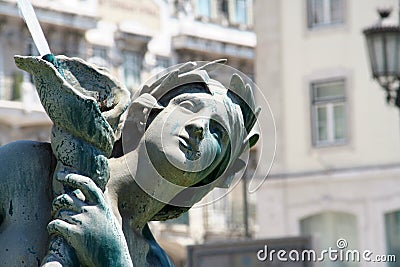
(191, 72)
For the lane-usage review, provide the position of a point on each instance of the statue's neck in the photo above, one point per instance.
(127, 199)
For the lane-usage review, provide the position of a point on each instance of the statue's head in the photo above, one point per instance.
(194, 128)
(194, 122)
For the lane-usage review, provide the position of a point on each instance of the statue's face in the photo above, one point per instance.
(188, 138)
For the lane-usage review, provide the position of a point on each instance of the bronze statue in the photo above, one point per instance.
(91, 192)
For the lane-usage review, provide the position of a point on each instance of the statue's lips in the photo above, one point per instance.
(189, 147)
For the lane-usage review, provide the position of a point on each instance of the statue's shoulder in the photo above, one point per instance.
(26, 157)
(25, 149)
(26, 168)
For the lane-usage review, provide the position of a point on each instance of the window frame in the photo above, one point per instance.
(329, 103)
(201, 14)
(163, 62)
(316, 224)
(100, 52)
(224, 8)
(238, 17)
(127, 64)
(327, 17)
(217, 213)
(389, 218)
(99, 55)
(2, 89)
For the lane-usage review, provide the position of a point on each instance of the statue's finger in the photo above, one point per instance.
(85, 184)
(68, 216)
(62, 228)
(66, 202)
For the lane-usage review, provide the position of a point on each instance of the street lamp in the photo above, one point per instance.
(383, 42)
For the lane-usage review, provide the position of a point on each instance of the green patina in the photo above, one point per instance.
(85, 104)
(11, 209)
(2, 214)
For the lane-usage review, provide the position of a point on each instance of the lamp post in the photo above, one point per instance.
(383, 43)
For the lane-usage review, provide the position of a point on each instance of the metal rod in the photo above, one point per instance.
(28, 14)
(245, 206)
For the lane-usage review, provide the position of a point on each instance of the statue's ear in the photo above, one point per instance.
(140, 109)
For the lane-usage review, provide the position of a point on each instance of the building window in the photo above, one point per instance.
(17, 80)
(99, 56)
(328, 112)
(241, 12)
(326, 229)
(218, 213)
(325, 12)
(132, 69)
(100, 52)
(1, 76)
(224, 8)
(392, 226)
(163, 62)
(204, 8)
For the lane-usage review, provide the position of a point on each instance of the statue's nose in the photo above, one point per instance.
(196, 129)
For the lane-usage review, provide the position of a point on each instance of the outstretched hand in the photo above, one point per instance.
(84, 220)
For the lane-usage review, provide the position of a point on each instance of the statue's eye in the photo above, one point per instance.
(216, 130)
(187, 104)
(216, 136)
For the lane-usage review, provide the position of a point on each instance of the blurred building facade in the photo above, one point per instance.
(133, 39)
(337, 167)
(21, 116)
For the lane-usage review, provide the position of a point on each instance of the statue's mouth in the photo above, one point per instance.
(189, 147)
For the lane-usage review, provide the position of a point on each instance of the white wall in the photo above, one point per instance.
(361, 177)
(290, 56)
(374, 128)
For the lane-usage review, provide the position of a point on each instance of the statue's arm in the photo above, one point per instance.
(84, 220)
